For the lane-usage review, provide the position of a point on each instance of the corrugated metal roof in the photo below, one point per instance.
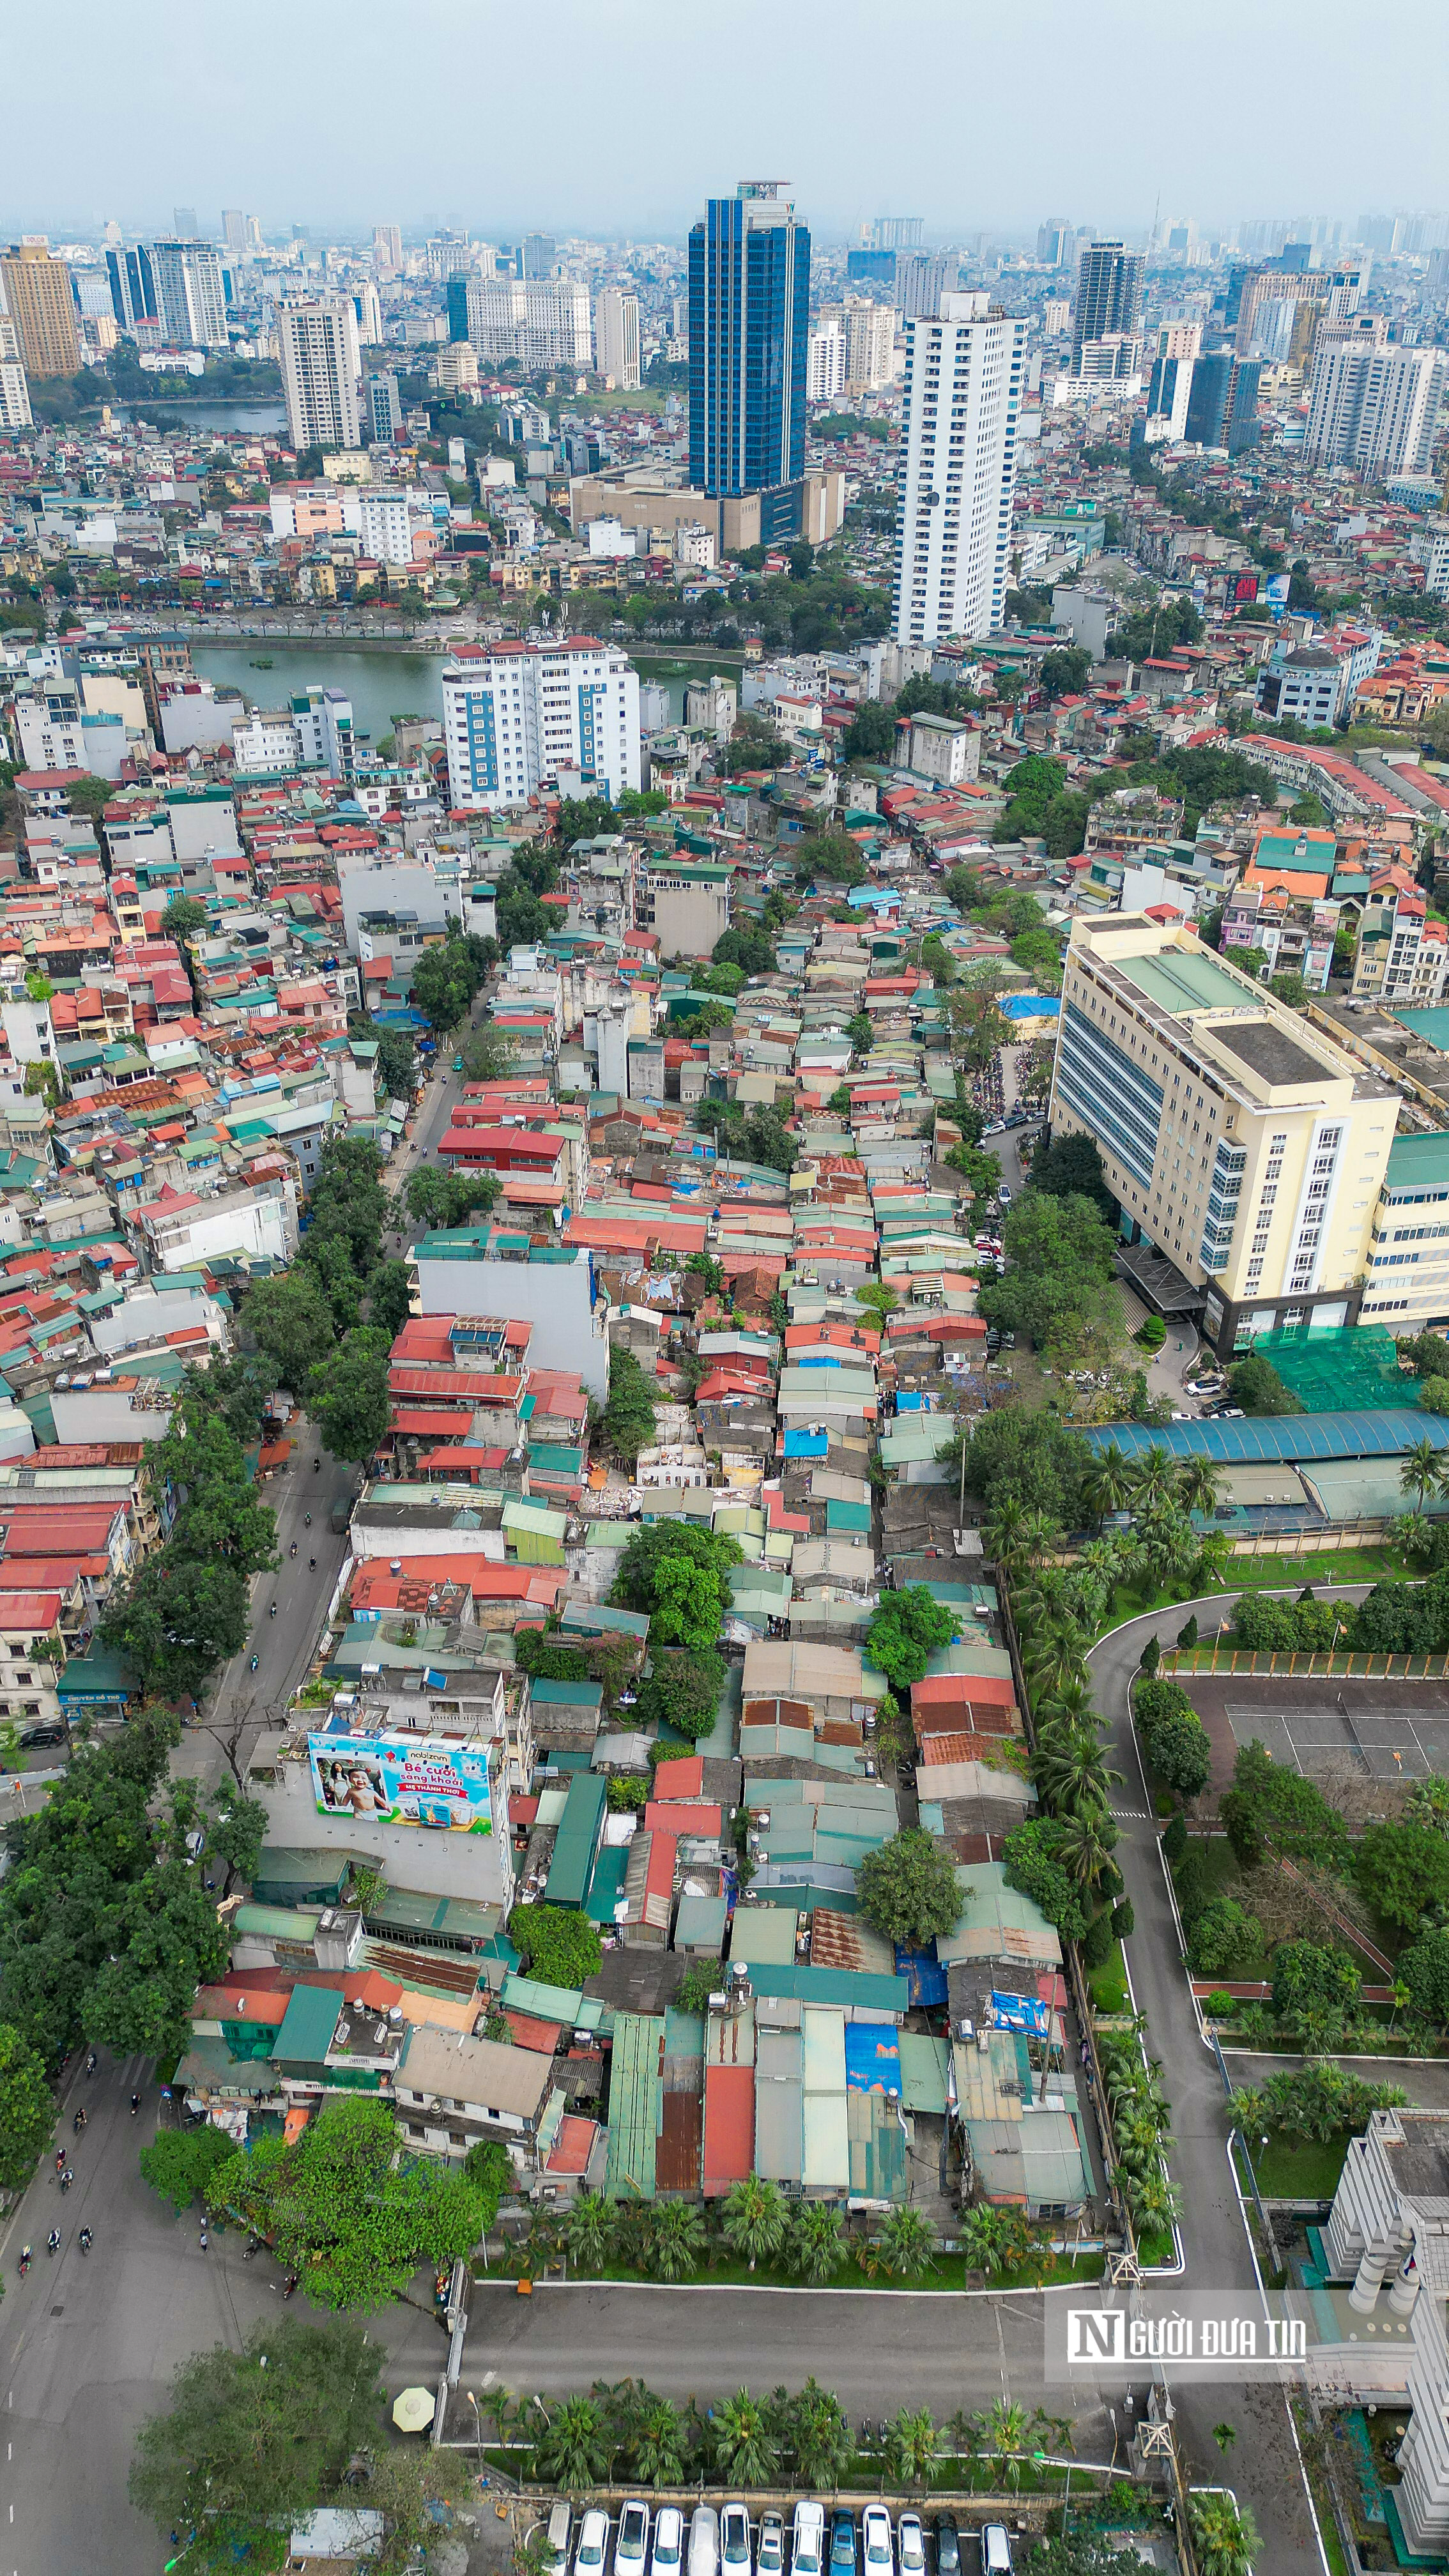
(676, 2161)
(925, 2064)
(1284, 1435)
(635, 2105)
(827, 2142)
(780, 2128)
(729, 2127)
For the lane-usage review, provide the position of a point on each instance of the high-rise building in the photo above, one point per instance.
(366, 306)
(616, 337)
(852, 349)
(184, 219)
(1274, 310)
(1374, 408)
(1222, 401)
(542, 325)
(1171, 380)
(825, 356)
(964, 372)
(1244, 1147)
(387, 248)
(1054, 243)
(922, 278)
(317, 343)
(749, 309)
(1109, 295)
(522, 713)
(234, 228)
(191, 294)
(133, 288)
(15, 412)
(35, 288)
(539, 251)
(384, 410)
(897, 232)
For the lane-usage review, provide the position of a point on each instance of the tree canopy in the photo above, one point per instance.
(907, 1629)
(346, 2208)
(347, 1394)
(908, 1890)
(679, 1576)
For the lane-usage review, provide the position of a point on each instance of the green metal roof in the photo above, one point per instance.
(311, 2017)
(636, 2105)
(1181, 980)
(575, 1849)
(1421, 1162)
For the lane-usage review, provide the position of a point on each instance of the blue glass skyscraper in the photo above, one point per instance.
(749, 306)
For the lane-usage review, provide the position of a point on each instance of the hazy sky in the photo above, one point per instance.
(620, 116)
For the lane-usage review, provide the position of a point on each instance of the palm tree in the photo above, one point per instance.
(1002, 1533)
(1070, 1772)
(818, 2435)
(1211, 1562)
(1039, 1535)
(659, 2444)
(754, 2218)
(983, 2237)
(1224, 2535)
(1005, 2440)
(500, 2407)
(1154, 1479)
(1412, 1533)
(589, 2230)
(1054, 1663)
(1419, 1469)
(912, 2442)
(1100, 1563)
(817, 2242)
(677, 2240)
(572, 2450)
(1084, 1845)
(1072, 1705)
(1152, 2201)
(745, 2449)
(1199, 1482)
(1111, 1485)
(907, 2243)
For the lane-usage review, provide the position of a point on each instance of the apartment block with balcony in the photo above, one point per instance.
(1403, 956)
(1244, 1149)
(1408, 1281)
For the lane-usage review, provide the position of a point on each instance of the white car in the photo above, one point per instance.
(668, 2541)
(704, 2541)
(631, 2545)
(911, 2542)
(995, 2550)
(770, 2548)
(807, 2539)
(1004, 1195)
(557, 2535)
(877, 2552)
(734, 2541)
(593, 2541)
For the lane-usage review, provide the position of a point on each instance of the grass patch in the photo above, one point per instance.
(1157, 2247)
(948, 2272)
(1340, 1566)
(1299, 2168)
(1107, 1985)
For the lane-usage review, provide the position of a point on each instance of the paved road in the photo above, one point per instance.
(1264, 2466)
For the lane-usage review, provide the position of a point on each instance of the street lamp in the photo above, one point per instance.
(477, 2428)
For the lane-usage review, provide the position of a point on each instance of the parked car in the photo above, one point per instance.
(807, 2538)
(734, 2541)
(704, 2541)
(1004, 1195)
(878, 2544)
(770, 2548)
(911, 2542)
(948, 2544)
(668, 2541)
(842, 2542)
(631, 2542)
(593, 2541)
(557, 2535)
(995, 2550)
(51, 1730)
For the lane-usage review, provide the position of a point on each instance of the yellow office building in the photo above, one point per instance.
(1242, 1146)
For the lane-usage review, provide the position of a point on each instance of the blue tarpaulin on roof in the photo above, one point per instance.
(872, 2058)
(806, 1444)
(923, 1973)
(1020, 2012)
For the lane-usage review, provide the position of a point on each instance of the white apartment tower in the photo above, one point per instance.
(516, 714)
(616, 338)
(15, 412)
(964, 372)
(825, 354)
(317, 345)
(192, 296)
(1375, 408)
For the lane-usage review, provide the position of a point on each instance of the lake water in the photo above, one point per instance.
(261, 419)
(384, 685)
(380, 685)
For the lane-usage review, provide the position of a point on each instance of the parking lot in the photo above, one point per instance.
(810, 2539)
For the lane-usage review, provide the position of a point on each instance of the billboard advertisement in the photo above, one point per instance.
(1242, 589)
(402, 1780)
(1277, 587)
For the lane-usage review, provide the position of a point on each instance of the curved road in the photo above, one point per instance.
(1263, 2467)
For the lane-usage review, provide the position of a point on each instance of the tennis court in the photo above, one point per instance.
(1328, 1728)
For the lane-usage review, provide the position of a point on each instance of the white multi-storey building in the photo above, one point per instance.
(542, 322)
(321, 362)
(616, 337)
(516, 714)
(15, 412)
(383, 524)
(1374, 408)
(314, 731)
(825, 358)
(191, 294)
(964, 373)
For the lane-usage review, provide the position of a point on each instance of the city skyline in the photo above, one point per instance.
(202, 126)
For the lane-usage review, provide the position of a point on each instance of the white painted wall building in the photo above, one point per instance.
(321, 362)
(964, 375)
(517, 714)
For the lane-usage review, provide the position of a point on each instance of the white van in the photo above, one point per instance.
(557, 2535)
(704, 2541)
(995, 2550)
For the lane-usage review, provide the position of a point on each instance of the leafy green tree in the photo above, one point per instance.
(871, 733)
(912, 2442)
(629, 1411)
(1031, 1854)
(571, 2448)
(1225, 1940)
(290, 1318)
(1403, 1869)
(1270, 1807)
(344, 2211)
(1424, 1968)
(1071, 1168)
(647, 1580)
(1065, 673)
(589, 2230)
(347, 1395)
(175, 1621)
(183, 917)
(1225, 2537)
(27, 2108)
(1257, 1387)
(396, 1063)
(831, 856)
(750, 950)
(906, 2245)
(908, 1889)
(907, 1629)
(660, 2444)
(746, 2453)
(682, 1691)
(490, 1053)
(179, 2163)
(389, 1297)
(1311, 1979)
(253, 2438)
(816, 2246)
(754, 2220)
(700, 1980)
(677, 2240)
(444, 981)
(1057, 1284)
(561, 1948)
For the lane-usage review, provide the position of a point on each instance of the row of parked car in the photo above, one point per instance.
(723, 2542)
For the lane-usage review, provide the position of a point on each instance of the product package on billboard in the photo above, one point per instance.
(402, 1780)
